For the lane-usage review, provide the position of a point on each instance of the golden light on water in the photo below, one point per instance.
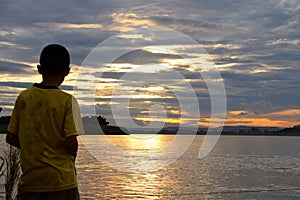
(140, 142)
(145, 141)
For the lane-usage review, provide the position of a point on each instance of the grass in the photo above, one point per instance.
(10, 169)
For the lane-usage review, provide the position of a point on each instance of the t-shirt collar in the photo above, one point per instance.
(38, 85)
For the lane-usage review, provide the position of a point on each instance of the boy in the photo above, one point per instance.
(44, 125)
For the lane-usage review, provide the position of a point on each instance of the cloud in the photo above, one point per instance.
(185, 22)
(15, 84)
(284, 114)
(254, 45)
(26, 13)
(283, 118)
(68, 25)
(141, 57)
(126, 20)
(14, 68)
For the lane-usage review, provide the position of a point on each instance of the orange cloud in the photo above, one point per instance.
(283, 118)
(258, 122)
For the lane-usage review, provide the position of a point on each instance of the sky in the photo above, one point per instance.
(253, 45)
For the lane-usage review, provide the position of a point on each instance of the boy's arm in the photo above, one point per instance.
(13, 139)
(72, 145)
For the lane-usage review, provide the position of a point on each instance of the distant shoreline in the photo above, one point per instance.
(223, 134)
(96, 125)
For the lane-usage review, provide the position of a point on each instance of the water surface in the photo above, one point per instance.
(239, 167)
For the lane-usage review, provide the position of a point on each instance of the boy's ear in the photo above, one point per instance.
(67, 71)
(39, 67)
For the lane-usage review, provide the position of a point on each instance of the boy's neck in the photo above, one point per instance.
(52, 80)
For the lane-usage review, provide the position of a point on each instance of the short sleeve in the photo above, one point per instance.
(13, 126)
(73, 123)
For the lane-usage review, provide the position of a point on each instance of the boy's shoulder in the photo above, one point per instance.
(51, 90)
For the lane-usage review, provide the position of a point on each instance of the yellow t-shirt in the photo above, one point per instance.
(43, 117)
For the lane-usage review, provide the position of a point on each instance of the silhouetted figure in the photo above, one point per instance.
(45, 124)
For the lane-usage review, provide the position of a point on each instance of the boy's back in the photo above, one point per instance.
(43, 117)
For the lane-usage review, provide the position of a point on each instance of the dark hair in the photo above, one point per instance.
(54, 59)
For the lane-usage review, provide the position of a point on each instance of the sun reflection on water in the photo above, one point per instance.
(149, 141)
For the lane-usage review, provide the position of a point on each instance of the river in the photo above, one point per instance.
(239, 167)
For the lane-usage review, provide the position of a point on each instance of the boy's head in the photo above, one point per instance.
(54, 59)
